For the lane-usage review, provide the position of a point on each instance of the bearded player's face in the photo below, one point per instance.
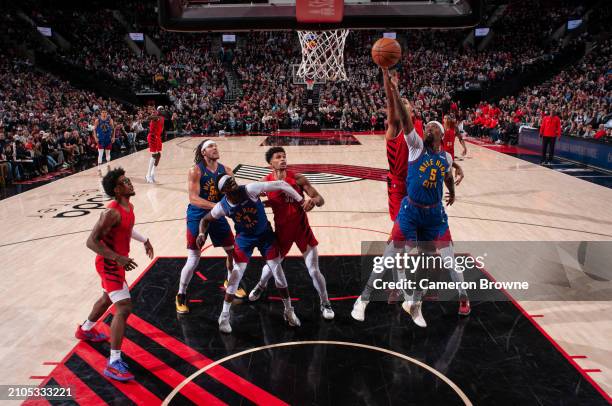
(211, 152)
(279, 161)
(125, 187)
(433, 132)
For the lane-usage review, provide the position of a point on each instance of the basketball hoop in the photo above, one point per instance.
(322, 55)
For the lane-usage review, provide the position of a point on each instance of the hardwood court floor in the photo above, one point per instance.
(50, 281)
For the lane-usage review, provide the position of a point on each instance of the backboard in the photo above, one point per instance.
(274, 15)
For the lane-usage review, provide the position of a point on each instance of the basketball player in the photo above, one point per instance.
(110, 239)
(451, 131)
(291, 226)
(242, 204)
(156, 128)
(105, 133)
(400, 117)
(203, 195)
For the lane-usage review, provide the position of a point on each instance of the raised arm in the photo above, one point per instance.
(257, 188)
(193, 185)
(315, 198)
(393, 124)
(404, 115)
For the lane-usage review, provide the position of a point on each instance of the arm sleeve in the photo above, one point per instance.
(415, 145)
(257, 188)
(217, 211)
(138, 237)
(449, 158)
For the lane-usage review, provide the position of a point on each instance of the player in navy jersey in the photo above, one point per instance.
(203, 195)
(421, 217)
(253, 230)
(104, 129)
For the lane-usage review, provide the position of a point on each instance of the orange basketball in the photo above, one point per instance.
(386, 52)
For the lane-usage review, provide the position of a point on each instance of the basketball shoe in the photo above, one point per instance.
(118, 370)
(92, 335)
(181, 304)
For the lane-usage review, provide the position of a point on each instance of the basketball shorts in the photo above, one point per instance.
(113, 279)
(104, 143)
(396, 192)
(421, 224)
(155, 143)
(300, 234)
(219, 232)
(264, 242)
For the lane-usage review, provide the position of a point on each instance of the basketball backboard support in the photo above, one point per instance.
(278, 15)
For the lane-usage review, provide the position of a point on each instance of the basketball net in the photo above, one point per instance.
(322, 55)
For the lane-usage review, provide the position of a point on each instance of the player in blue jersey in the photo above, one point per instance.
(104, 127)
(421, 218)
(203, 195)
(253, 230)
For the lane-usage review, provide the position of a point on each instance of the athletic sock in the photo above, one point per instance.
(151, 166)
(287, 303)
(226, 307)
(88, 325)
(115, 355)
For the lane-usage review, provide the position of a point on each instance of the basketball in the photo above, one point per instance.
(386, 52)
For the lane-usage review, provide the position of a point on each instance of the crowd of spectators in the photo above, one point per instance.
(580, 95)
(46, 122)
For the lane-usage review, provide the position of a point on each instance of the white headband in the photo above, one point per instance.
(438, 124)
(206, 144)
(222, 181)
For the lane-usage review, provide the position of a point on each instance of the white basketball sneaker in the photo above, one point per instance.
(414, 310)
(256, 293)
(291, 318)
(359, 308)
(224, 323)
(327, 311)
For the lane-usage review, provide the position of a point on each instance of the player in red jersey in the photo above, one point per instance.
(451, 131)
(110, 239)
(291, 226)
(156, 128)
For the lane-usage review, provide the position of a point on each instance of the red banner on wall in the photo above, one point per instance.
(319, 11)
